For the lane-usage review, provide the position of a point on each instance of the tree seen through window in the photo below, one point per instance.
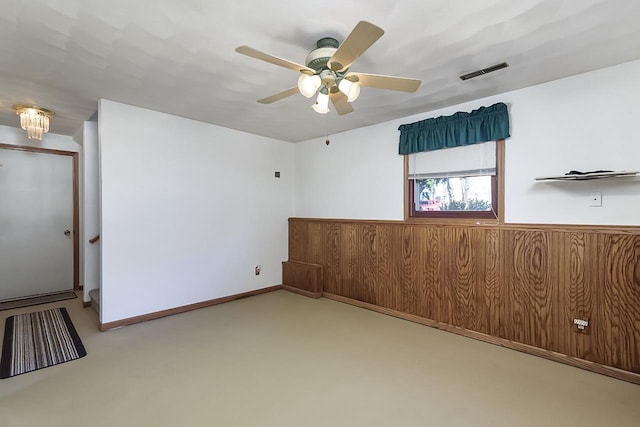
(453, 194)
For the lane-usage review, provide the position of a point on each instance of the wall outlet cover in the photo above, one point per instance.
(595, 199)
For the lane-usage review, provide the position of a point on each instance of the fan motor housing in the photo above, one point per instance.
(318, 58)
(328, 78)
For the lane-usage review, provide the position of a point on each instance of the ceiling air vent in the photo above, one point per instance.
(484, 71)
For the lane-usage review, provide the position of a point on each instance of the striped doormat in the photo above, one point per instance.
(38, 340)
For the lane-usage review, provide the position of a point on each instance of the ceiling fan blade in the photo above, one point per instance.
(278, 96)
(401, 84)
(339, 101)
(249, 51)
(361, 38)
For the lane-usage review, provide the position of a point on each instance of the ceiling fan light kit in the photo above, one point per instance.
(350, 88)
(309, 85)
(322, 102)
(326, 71)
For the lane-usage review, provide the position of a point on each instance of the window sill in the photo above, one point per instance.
(453, 221)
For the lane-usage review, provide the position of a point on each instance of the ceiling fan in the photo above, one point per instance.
(327, 71)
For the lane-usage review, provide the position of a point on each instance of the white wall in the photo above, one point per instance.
(188, 209)
(17, 136)
(355, 176)
(584, 122)
(91, 208)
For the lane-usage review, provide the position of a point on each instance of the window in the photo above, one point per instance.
(460, 182)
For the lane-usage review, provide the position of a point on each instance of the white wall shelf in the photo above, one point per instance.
(589, 176)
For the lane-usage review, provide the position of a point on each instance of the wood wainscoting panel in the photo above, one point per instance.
(495, 288)
(314, 244)
(369, 263)
(426, 271)
(347, 251)
(467, 261)
(303, 278)
(620, 301)
(385, 290)
(296, 237)
(521, 283)
(531, 272)
(332, 260)
(576, 293)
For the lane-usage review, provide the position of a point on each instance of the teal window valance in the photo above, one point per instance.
(481, 125)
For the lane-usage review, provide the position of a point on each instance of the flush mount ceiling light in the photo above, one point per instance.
(34, 120)
(326, 71)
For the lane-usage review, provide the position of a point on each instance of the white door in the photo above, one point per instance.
(36, 223)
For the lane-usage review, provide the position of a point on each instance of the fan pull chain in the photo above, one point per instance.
(327, 140)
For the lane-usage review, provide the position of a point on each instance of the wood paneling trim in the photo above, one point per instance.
(551, 355)
(184, 308)
(76, 223)
(37, 149)
(304, 276)
(568, 228)
(500, 150)
(452, 221)
(407, 211)
(314, 295)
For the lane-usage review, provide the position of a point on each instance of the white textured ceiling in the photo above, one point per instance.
(177, 56)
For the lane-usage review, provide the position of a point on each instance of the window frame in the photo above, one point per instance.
(497, 198)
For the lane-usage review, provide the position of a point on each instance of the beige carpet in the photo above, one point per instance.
(283, 360)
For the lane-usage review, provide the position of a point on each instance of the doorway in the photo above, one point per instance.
(39, 221)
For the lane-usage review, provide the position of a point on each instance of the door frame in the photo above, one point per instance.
(76, 202)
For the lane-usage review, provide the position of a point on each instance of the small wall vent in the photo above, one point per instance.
(484, 71)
